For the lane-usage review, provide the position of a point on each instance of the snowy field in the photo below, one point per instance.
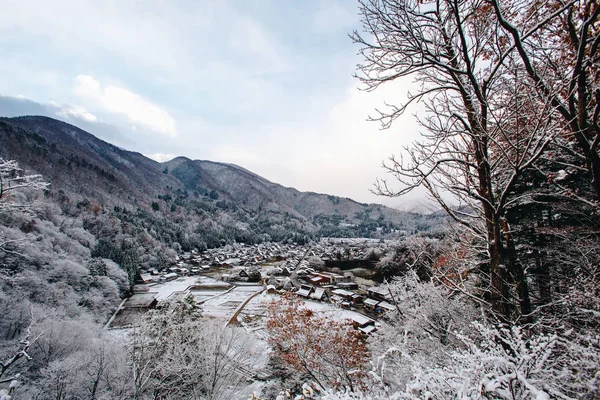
(166, 290)
(225, 304)
(217, 298)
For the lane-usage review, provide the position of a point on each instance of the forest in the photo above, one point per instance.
(504, 303)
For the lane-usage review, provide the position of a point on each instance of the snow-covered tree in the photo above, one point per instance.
(421, 332)
(330, 352)
(510, 363)
(175, 354)
(14, 179)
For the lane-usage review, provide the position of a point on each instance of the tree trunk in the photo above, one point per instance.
(498, 283)
(593, 161)
(498, 288)
(515, 269)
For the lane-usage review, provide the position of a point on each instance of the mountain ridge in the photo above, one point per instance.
(86, 167)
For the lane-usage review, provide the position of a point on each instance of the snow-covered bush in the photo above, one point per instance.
(421, 332)
(509, 363)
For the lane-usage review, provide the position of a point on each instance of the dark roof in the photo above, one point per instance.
(140, 300)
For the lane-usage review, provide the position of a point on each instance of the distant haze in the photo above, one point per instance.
(265, 85)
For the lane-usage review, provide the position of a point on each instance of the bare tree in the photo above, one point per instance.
(558, 43)
(482, 128)
(10, 368)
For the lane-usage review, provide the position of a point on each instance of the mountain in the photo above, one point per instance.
(83, 167)
(72, 159)
(419, 207)
(255, 192)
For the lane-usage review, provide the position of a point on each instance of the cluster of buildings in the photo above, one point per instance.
(242, 255)
(245, 255)
(284, 267)
(335, 288)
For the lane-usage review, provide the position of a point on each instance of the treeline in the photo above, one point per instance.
(373, 224)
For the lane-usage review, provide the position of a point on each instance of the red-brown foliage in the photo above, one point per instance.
(332, 352)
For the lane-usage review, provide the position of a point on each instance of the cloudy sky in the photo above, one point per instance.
(265, 84)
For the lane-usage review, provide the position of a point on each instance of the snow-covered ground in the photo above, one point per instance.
(225, 304)
(167, 289)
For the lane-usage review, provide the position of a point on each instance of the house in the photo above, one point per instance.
(141, 300)
(302, 273)
(363, 323)
(344, 294)
(271, 289)
(357, 298)
(318, 280)
(384, 306)
(130, 313)
(305, 291)
(171, 276)
(348, 285)
(371, 304)
(143, 277)
(378, 293)
(336, 278)
(286, 283)
(319, 294)
(231, 262)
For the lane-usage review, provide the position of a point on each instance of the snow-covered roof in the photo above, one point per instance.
(318, 294)
(140, 300)
(362, 320)
(378, 290)
(146, 277)
(367, 329)
(387, 306)
(342, 292)
(371, 302)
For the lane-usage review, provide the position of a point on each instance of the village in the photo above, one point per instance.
(223, 281)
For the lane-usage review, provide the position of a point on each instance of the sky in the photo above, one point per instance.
(264, 84)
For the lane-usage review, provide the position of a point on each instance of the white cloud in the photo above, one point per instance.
(76, 111)
(161, 157)
(118, 100)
